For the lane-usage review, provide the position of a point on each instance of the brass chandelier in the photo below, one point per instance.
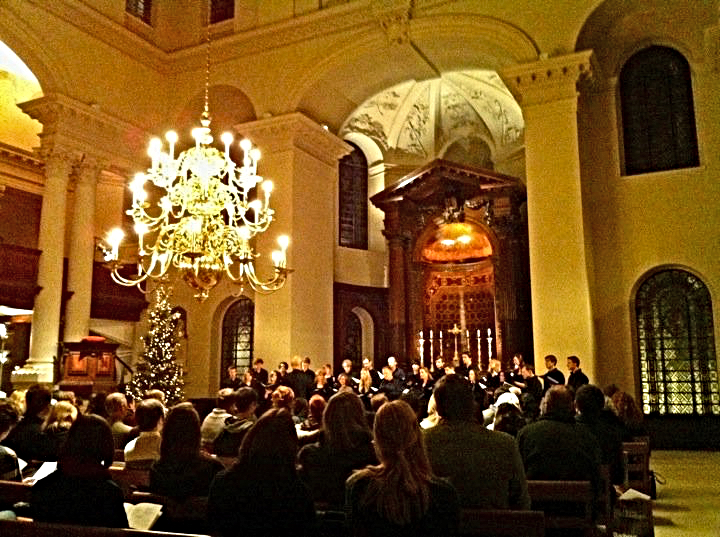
(204, 221)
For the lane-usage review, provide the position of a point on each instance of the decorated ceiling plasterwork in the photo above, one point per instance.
(419, 120)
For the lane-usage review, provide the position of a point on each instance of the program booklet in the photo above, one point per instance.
(143, 515)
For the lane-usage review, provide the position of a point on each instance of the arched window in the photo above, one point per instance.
(353, 200)
(658, 117)
(676, 345)
(237, 337)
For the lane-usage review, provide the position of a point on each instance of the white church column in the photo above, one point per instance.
(301, 158)
(45, 336)
(560, 260)
(82, 246)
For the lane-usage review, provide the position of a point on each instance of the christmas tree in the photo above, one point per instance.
(157, 368)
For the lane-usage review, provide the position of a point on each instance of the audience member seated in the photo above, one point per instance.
(117, 407)
(605, 427)
(631, 417)
(345, 444)
(309, 430)
(80, 491)
(27, 439)
(214, 422)
(142, 451)
(9, 468)
(555, 447)
(484, 466)
(96, 405)
(401, 496)
(228, 441)
(58, 422)
(182, 470)
(508, 419)
(283, 398)
(261, 494)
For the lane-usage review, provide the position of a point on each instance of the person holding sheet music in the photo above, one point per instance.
(553, 376)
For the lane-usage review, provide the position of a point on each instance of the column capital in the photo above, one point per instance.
(295, 130)
(550, 79)
(84, 129)
(88, 170)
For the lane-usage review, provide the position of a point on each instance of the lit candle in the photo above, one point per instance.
(431, 333)
(489, 332)
(421, 334)
(478, 332)
(227, 139)
(172, 138)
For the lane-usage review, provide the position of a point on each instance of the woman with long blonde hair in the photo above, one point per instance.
(400, 496)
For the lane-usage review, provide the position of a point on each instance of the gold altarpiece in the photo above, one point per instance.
(458, 264)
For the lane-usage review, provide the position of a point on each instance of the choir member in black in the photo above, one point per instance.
(531, 383)
(259, 373)
(374, 375)
(347, 369)
(397, 372)
(439, 368)
(345, 382)
(306, 369)
(553, 376)
(465, 365)
(389, 385)
(322, 388)
(413, 379)
(576, 378)
(366, 390)
(514, 375)
(232, 380)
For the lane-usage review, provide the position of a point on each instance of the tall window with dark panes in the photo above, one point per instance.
(676, 345)
(658, 116)
(353, 200)
(142, 9)
(237, 335)
(221, 10)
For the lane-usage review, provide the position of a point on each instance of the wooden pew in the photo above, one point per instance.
(130, 480)
(12, 492)
(568, 505)
(501, 523)
(28, 528)
(637, 465)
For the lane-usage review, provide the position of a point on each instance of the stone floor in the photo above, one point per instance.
(688, 504)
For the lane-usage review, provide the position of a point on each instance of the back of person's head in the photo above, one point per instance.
(89, 444)
(300, 407)
(62, 415)
(589, 400)
(225, 399)
(96, 404)
(155, 393)
(316, 407)
(508, 419)
(415, 400)
(283, 397)
(559, 403)
(65, 395)
(116, 405)
(530, 406)
(9, 417)
(610, 390)
(344, 423)
(181, 434)
(37, 400)
(271, 444)
(627, 409)
(245, 398)
(378, 400)
(296, 362)
(148, 413)
(400, 489)
(454, 398)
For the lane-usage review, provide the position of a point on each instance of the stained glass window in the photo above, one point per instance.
(658, 116)
(353, 200)
(237, 339)
(676, 345)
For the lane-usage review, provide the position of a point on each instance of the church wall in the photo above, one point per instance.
(645, 221)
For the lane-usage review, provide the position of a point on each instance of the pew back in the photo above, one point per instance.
(566, 504)
(501, 523)
(26, 528)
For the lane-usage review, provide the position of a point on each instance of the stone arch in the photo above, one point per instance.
(368, 332)
(228, 106)
(488, 43)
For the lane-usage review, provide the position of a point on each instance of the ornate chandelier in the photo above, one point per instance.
(204, 221)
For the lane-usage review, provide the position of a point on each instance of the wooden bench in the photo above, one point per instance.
(637, 465)
(568, 505)
(501, 523)
(12, 492)
(28, 528)
(130, 480)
